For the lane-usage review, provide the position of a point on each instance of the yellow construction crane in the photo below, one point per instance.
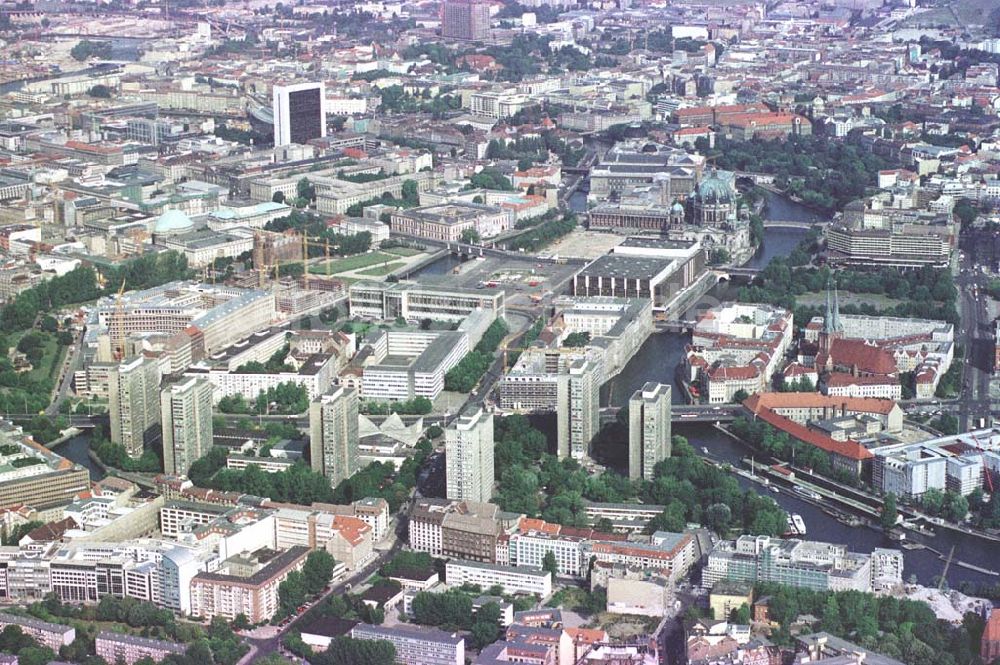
(306, 244)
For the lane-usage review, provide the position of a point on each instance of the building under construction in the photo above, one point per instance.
(270, 248)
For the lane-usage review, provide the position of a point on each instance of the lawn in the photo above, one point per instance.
(403, 251)
(379, 271)
(351, 263)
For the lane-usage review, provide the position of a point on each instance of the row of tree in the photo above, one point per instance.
(464, 376)
(780, 445)
(288, 398)
(299, 586)
(927, 293)
(543, 234)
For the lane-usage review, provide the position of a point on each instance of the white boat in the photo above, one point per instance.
(800, 524)
(704, 450)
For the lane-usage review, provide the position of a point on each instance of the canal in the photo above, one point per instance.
(76, 449)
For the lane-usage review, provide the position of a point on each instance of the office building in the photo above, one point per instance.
(128, 649)
(186, 416)
(408, 364)
(417, 645)
(448, 222)
(32, 475)
(578, 408)
(413, 302)
(809, 564)
(512, 578)
(134, 392)
(333, 434)
(648, 429)
(456, 529)
(299, 112)
(467, 20)
(469, 457)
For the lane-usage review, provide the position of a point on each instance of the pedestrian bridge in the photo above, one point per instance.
(790, 224)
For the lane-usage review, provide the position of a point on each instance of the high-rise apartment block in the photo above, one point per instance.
(465, 19)
(469, 457)
(134, 393)
(578, 408)
(299, 113)
(648, 429)
(186, 416)
(333, 434)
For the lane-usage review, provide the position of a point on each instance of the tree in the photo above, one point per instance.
(956, 506)
(889, 512)
(291, 593)
(740, 615)
(932, 501)
(740, 396)
(100, 91)
(577, 339)
(345, 650)
(306, 190)
(410, 192)
(550, 564)
(486, 629)
(471, 236)
(278, 197)
(318, 571)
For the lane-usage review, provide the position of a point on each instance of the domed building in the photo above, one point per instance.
(172, 223)
(714, 201)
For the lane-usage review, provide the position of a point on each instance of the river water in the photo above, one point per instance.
(76, 449)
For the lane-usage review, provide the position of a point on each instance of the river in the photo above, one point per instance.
(76, 449)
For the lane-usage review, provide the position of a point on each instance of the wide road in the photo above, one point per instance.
(976, 337)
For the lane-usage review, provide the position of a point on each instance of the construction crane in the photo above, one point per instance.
(306, 244)
(118, 330)
(944, 573)
(982, 459)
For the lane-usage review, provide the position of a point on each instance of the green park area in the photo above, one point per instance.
(348, 263)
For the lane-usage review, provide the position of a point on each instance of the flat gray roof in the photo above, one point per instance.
(626, 267)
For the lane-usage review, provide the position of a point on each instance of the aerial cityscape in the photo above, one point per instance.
(471, 332)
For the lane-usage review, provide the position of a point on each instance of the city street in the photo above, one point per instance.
(976, 338)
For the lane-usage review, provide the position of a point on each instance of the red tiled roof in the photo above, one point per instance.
(992, 631)
(867, 358)
(849, 449)
(766, 401)
(841, 379)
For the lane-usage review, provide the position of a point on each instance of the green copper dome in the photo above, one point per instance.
(715, 189)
